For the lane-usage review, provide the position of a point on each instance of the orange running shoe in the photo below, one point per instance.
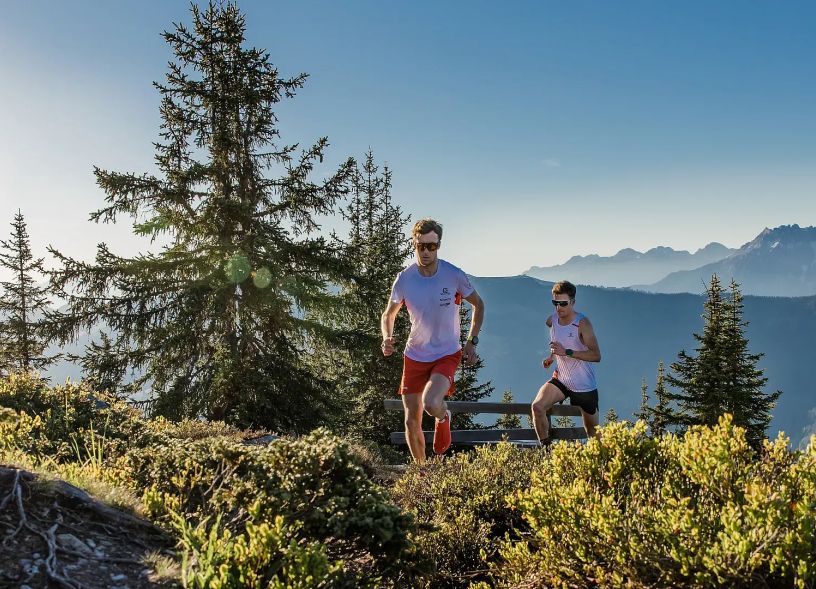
(442, 435)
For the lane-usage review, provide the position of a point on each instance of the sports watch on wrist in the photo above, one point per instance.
(568, 352)
(474, 339)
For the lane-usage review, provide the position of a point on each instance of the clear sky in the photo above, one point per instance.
(532, 130)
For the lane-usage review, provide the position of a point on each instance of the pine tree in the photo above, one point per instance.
(24, 305)
(697, 381)
(611, 415)
(644, 412)
(375, 251)
(563, 421)
(723, 377)
(100, 369)
(216, 323)
(742, 380)
(508, 421)
(660, 414)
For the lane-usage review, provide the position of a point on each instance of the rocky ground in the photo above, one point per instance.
(53, 534)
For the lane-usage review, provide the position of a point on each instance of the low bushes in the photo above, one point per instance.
(693, 511)
(463, 503)
(313, 481)
(628, 510)
(65, 414)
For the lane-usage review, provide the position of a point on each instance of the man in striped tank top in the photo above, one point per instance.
(573, 348)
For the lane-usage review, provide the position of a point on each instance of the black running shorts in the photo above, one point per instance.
(588, 401)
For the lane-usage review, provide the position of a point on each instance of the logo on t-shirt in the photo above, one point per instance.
(444, 298)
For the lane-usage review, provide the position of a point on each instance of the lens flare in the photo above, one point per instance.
(237, 268)
(262, 277)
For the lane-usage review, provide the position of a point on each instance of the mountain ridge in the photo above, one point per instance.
(628, 265)
(777, 262)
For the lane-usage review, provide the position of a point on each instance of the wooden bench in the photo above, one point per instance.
(475, 437)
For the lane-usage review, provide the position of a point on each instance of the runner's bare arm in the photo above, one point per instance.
(478, 313)
(587, 334)
(547, 362)
(469, 355)
(387, 326)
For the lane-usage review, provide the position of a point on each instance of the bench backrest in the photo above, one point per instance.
(525, 436)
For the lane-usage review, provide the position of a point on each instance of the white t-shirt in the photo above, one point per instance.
(433, 305)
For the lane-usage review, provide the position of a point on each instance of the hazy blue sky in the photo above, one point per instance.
(532, 130)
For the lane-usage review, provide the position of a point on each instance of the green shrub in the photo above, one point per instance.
(699, 510)
(313, 481)
(265, 555)
(16, 429)
(66, 414)
(463, 501)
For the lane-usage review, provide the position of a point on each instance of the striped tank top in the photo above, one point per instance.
(577, 375)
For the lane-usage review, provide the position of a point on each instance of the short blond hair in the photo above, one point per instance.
(424, 226)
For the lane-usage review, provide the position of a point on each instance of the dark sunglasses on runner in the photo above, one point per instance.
(560, 303)
(431, 247)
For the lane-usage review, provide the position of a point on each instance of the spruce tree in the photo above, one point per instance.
(215, 324)
(660, 414)
(101, 370)
(508, 421)
(374, 252)
(743, 381)
(697, 380)
(644, 412)
(723, 377)
(24, 305)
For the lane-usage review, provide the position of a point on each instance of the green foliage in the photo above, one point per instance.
(508, 421)
(659, 415)
(314, 481)
(704, 509)
(67, 414)
(24, 308)
(215, 324)
(264, 556)
(464, 501)
(373, 252)
(723, 377)
(16, 429)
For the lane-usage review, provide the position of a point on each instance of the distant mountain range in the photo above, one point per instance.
(778, 262)
(629, 266)
(636, 330)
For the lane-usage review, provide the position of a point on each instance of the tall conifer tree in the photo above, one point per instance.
(660, 413)
(375, 251)
(697, 380)
(723, 377)
(644, 411)
(24, 305)
(508, 421)
(743, 381)
(216, 323)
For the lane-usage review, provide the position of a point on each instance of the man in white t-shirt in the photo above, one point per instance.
(432, 290)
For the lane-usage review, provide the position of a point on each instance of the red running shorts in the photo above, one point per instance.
(415, 375)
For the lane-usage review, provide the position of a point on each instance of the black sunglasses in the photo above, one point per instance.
(431, 247)
(561, 303)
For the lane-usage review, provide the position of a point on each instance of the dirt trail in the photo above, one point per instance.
(53, 534)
